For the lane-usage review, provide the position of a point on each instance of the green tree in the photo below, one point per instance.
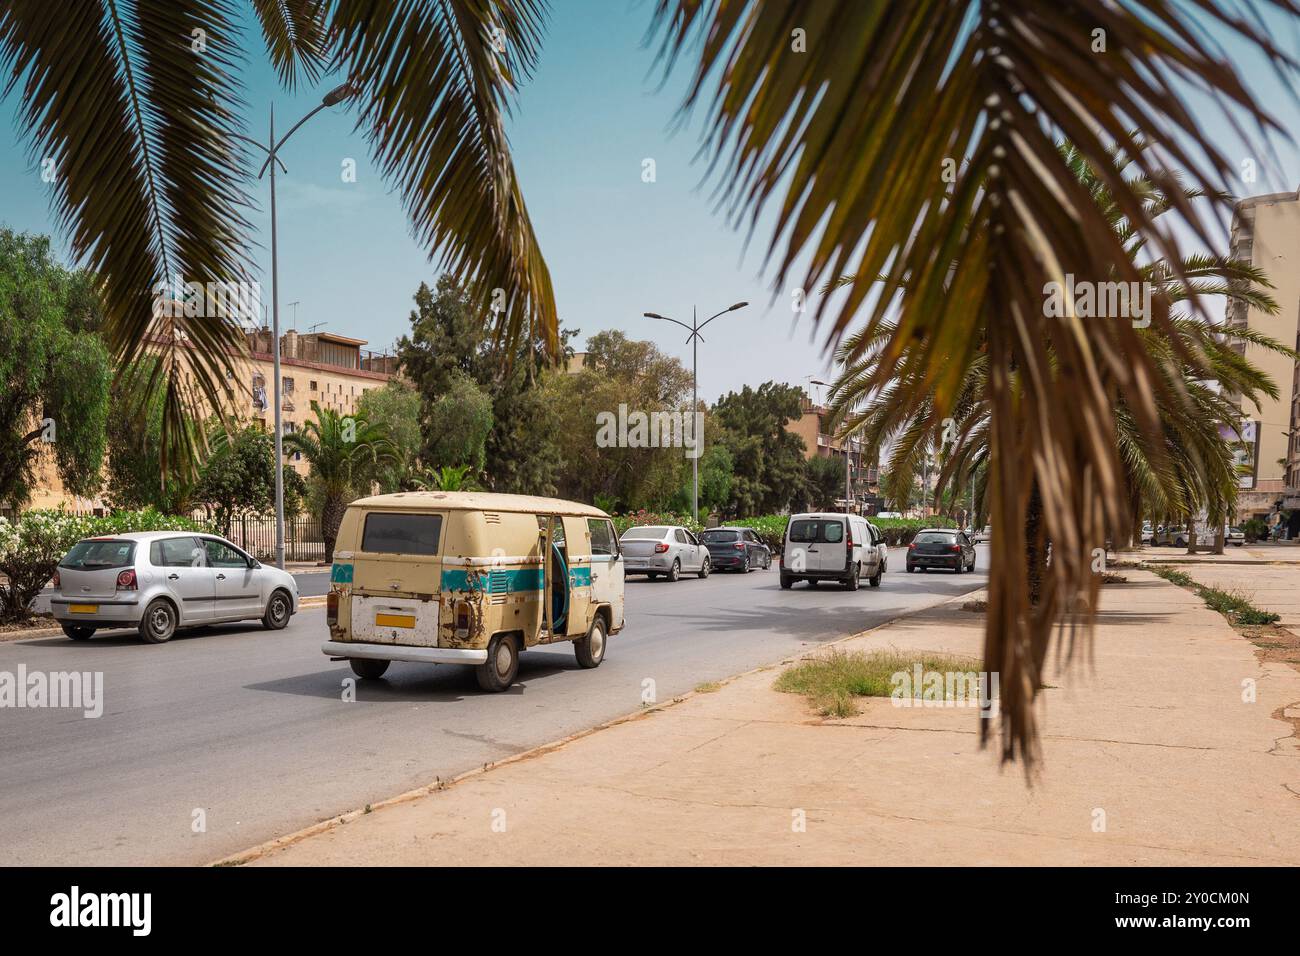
(238, 477)
(824, 482)
(395, 408)
(54, 372)
(768, 470)
(150, 188)
(346, 453)
(457, 426)
(134, 478)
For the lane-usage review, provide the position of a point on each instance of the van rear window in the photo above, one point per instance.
(401, 533)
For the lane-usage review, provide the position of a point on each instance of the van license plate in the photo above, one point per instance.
(395, 620)
(83, 608)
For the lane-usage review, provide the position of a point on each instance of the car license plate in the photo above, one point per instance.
(394, 620)
(83, 608)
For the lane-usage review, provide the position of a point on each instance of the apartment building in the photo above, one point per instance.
(334, 370)
(1266, 233)
(818, 442)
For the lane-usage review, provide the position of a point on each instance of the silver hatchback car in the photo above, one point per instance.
(158, 581)
(670, 550)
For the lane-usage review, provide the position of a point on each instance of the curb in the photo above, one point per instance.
(260, 850)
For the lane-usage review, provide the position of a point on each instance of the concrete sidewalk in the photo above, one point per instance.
(1150, 757)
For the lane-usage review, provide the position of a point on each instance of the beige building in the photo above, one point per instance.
(334, 370)
(820, 443)
(1266, 233)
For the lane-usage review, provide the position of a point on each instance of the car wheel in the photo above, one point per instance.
(368, 669)
(159, 622)
(651, 576)
(961, 566)
(910, 569)
(705, 568)
(78, 632)
(278, 610)
(853, 580)
(676, 571)
(767, 561)
(590, 650)
(498, 672)
(812, 584)
(786, 582)
(874, 580)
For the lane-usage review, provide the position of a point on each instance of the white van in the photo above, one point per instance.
(831, 546)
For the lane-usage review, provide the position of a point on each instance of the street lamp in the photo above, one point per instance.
(848, 444)
(695, 338)
(332, 98)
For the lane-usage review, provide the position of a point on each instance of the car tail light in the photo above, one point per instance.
(660, 548)
(738, 546)
(332, 608)
(126, 580)
(54, 581)
(955, 548)
(912, 546)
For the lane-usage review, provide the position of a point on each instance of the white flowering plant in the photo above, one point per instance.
(32, 546)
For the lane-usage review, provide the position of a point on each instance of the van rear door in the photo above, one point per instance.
(396, 577)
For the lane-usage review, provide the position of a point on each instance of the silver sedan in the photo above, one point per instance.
(159, 581)
(670, 550)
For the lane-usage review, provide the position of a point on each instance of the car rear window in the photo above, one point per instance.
(92, 555)
(633, 534)
(401, 533)
(715, 537)
(817, 531)
(935, 537)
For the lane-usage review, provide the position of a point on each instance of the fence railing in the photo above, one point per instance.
(256, 535)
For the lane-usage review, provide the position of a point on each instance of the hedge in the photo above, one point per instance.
(771, 528)
(32, 546)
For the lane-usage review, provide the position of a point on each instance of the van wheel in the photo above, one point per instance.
(498, 672)
(278, 610)
(787, 582)
(368, 669)
(874, 580)
(852, 582)
(159, 622)
(705, 569)
(590, 650)
(78, 632)
(651, 576)
(675, 573)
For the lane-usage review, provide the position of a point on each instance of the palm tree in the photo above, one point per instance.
(345, 453)
(448, 478)
(134, 106)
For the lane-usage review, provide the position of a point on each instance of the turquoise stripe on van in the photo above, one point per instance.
(341, 574)
(497, 581)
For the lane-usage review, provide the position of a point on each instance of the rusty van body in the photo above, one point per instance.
(471, 578)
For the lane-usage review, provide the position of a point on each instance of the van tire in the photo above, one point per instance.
(159, 622)
(499, 671)
(874, 580)
(787, 582)
(78, 632)
(590, 650)
(853, 580)
(368, 669)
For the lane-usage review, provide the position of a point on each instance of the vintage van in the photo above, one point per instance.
(445, 577)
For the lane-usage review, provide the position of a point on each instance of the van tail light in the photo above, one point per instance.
(464, 619)
(126, 580)
(332, 608)
(54, 581)
(660, 548)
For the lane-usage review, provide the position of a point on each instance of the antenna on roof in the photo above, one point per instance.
(315, 327)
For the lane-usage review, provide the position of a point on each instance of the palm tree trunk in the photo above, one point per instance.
(1191, 535)
(1035, 554)
(330, 519)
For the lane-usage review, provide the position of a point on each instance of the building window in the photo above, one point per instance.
(286, 385)
(313, 384)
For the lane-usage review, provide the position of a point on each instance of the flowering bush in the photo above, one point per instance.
(32, 546)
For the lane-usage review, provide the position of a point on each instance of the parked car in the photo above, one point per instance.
(941, 548)
(160, 581)
(1235, 537)
(983, 536)
(1148, 534)
(463, 577)
(832, 547)
(669, 550)
(739, 549)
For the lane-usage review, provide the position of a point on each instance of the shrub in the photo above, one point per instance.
(31, 547)
(770, 529)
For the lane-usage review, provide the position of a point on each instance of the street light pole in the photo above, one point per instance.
(695, 338)
(333, 97)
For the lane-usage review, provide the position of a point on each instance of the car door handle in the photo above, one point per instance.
(173, 577)
(221, 577)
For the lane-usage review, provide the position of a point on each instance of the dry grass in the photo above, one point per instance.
(832, 681)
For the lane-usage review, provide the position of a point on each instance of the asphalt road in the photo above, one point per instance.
(249, 726)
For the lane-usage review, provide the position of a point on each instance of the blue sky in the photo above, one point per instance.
(616, 246)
